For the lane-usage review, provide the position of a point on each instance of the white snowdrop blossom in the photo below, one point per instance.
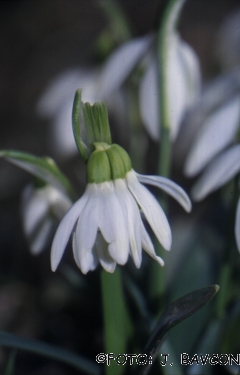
(42, 208)
(106, 223)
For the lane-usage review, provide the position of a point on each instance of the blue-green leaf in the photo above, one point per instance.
(174, 314)
(42, 167)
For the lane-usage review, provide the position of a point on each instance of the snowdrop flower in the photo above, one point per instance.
(214, 154)
(106, 223)
(42, 208)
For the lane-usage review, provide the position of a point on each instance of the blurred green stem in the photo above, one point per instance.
(117, 326)
(164, 40)
(157, 282)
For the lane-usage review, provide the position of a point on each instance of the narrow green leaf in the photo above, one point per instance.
(16, 342)
(174, 314)
(42, 167)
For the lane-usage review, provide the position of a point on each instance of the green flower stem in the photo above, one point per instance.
(118, 23)
(116, 320)
(167, 26)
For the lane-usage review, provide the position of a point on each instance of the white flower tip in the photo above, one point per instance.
(119, 251)
(55, 260)
(197, 194)
(53, 266)
(160, 261)
(137, 263)
(188, 205)
(168, 242)
(168, 248)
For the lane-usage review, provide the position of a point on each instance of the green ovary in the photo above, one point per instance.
(107, 163)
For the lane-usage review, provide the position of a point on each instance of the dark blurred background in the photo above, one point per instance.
(38, 40)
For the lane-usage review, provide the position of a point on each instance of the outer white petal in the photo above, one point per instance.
(63, 87)
(59, 203)
(149, 100)
(102, 250)
(65, 229)
(86, 231)
(169, 187)
(34, 208)
(151, 209)
(237, 226)
(88, 261)
(216, 133)
(40, 240)
(133, 220)
(176, 86)
(148, 246)
(112, 221)
(220, 171)
(191, 71)
(121, 62)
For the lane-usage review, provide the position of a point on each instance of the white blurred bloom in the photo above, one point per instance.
(42, 209)
(214, 153)
(97, 84)
(183, 87)
(106, 222)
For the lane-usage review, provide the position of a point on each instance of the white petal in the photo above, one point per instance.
(237, 226)
(151, 209)
(86, 230)
(34, 208)
(220, 171)
(192, 73)
(121, 62)
(102, 250)
(215, 134)
(149, 100)
(61, 139)
(112, 223)
(57, 92)
(65, 229)
(169, 187)
(133, 220)
(147, 245)
(87, 260)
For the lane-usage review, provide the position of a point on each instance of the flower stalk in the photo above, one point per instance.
(117, 325)
(166, 29)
